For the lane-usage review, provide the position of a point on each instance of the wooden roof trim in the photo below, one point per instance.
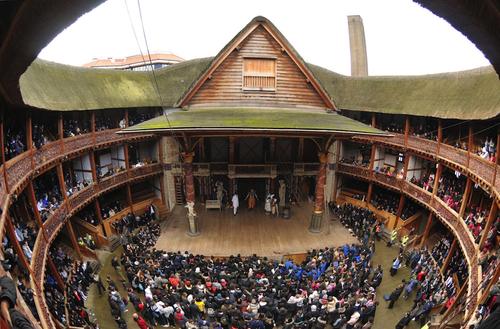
(284, 44)
(215, 64)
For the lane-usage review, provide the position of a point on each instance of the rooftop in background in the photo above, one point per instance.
(135, 62)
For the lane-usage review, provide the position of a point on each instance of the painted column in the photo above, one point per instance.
(319, 202)
(190, 196)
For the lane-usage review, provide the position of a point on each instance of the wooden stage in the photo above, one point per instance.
(250, 232)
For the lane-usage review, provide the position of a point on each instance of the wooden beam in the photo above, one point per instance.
(300, 151)
(407, 129)
(272, 148)
(72, 237)
(33, 201)
(62, 183)
(440, 135)
(2, 144)
(447, 260)
(126, 155)
(372, 156)
(55, 273)
(491, 219)
(60, 131)
(470, 142)
(15, 243)
(465, 197)
(406, 163)
(399, 212)
(93, 167)
(427, 229)
(127, 122)
(29, 131)
(370, 192)
(437, 177)
(374, 120)
(129, 198)
(232, 142)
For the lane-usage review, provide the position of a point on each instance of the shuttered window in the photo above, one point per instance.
(259, 74)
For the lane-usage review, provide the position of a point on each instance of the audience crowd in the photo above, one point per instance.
(451, 189)
(48, 194)
(385, 201)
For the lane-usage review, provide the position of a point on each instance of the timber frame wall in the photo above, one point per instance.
(17, 174)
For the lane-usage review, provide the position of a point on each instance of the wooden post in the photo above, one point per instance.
(427, 229)
(399, 212)
(407, 129)
(370, 192)
(272, 149)
(449, 256)
(465, 197)
(374, 120)
(97, 208)
(130, 201)
(93, 167)
(372, 157)
(29, 132)
(33, 201)
(470, 143)
(492, 282)
(437, 177)
(300, 151)
(60, 131)
(92, 126)
(440, 135)
(491, 219)
(232, 150)
(55, 273)
(127, 122)
(15, 243)
(406, 163)
(74, 241)
(125, 154)
(2, 144)
(319, 200)
(496, 159)
(190, 194)
(62, 183)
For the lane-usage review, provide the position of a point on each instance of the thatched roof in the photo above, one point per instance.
(268, 119)
(473, 94)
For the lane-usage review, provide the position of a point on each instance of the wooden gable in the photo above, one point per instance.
(242, 75)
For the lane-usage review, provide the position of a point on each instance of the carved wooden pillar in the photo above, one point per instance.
(2, 144)
(319, 200)
(406, 163)
(447, 260)
(55, 273)
(370, 192)
(465, 197)
(427, 229)
(73, 239)
(126, 155)
(407, 129)
(491, 219)
(190, 195)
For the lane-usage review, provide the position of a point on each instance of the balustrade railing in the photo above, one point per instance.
(450, 217)
(481, 170)
(56, 221)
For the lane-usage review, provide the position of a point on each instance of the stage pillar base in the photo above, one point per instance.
(193, 229)
(316, 220)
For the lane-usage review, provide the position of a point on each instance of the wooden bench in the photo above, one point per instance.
(212, 204)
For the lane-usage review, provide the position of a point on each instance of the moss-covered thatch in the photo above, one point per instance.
(255, 119)
(473, 94)
(60, 87)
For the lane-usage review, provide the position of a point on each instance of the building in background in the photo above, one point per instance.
(135, 62)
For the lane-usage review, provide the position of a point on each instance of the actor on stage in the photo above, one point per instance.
(251, 199)
(236, 203)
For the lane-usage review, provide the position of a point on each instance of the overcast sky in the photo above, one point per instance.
(402, 37)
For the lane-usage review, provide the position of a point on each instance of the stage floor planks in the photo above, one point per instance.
(250, 232)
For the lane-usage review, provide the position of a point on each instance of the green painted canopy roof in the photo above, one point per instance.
(473, 94)
(278, 119)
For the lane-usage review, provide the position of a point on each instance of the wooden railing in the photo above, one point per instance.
(447, 215)
(57, 220)
(480, 170)
(252, 171)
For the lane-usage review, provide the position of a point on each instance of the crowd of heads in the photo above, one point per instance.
(475, 218)
(426, 181)
(14, 143)
(129, 222)
(331, 286)
(488, 150)
(73, 184)
(48, 194)
(41, 135)
(111, 208)
(359, 221)
(77, 276)
(427, 130)
(75, 127)
(385, 201)
(451, 188)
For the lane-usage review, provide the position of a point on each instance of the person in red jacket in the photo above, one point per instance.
(140, 321)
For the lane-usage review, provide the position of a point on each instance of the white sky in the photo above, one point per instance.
(402, 37)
